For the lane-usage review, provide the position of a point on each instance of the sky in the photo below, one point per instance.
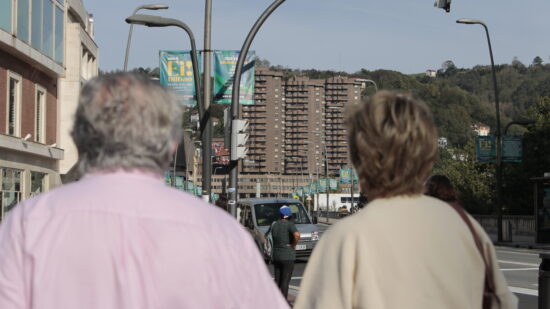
(408, 36)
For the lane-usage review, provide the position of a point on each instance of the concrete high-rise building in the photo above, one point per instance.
(339, 93)
(266, 125)
(304, 106)
(295, 127)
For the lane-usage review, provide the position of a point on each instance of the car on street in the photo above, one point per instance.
(257, 215)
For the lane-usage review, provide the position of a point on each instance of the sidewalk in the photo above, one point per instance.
(324, 220)
(518, 241)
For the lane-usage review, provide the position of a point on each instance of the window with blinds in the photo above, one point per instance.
(39, 111)
(14, 98)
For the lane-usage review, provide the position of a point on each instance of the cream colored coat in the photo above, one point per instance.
(401, 252)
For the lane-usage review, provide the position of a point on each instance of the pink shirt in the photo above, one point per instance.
(126, 240)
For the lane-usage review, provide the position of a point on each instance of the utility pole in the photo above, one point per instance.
(234, 163)
(206, 121)
(351, 189)
(328, 180)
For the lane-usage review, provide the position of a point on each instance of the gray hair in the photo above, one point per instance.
(125, 121)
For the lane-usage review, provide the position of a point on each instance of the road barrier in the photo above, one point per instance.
(518, 225)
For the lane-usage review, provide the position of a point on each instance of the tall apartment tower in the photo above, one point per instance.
(304, 101)
(339, 92)
(266, 125)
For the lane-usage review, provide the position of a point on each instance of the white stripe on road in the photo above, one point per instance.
(518, 263)
(524, 291)
(512, 269)
(517, 252)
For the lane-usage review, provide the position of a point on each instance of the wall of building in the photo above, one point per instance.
(81, 65)
(31, 78)
(44, 52)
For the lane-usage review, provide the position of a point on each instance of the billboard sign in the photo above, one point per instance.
(512, 148)
(176, 73)
(225, 63)
(345, 175)
(485, 149)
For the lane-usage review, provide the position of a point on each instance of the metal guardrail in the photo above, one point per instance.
(518, 225)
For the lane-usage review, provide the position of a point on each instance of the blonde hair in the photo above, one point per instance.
(393, 144)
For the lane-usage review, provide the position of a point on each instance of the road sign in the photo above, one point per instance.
(512, 148)
(485, 149)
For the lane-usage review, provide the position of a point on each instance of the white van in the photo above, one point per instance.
(258, 214)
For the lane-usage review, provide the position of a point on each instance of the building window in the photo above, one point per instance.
(23, 20)
(36, 27)
(47, 30)
(6, 11)
(14, 104)
(40, 115)
(59, 22)
(10, 190)
(38, 183)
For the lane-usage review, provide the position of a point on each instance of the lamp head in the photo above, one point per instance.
(468, 21)
(525, 121)
(155, 21)
(157, 6)
(145, 20)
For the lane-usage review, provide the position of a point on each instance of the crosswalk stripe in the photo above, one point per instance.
(513, 269)
(518, 263)
(524, 291)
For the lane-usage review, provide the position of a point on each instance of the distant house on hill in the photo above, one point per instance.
(431, 73)
(481, 129)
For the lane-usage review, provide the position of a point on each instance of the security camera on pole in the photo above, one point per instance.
(443, 4)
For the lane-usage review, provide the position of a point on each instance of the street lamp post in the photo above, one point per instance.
(206, 120)
(142, 7)
(519, 122)
(157, 21)
(233, 165)
(302, 179)
(363, 81)
(498, 134)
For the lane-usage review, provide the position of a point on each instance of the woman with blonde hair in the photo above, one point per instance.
(404, 249)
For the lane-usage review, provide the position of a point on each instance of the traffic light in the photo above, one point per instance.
(443, 4)
(239, 137)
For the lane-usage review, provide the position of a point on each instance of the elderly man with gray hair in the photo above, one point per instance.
(119, 237)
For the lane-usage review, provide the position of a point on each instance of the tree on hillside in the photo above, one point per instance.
(537, 60)
(518, 65)
(474, 182)
(518, 189)
(448, 68)
(259, 62)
